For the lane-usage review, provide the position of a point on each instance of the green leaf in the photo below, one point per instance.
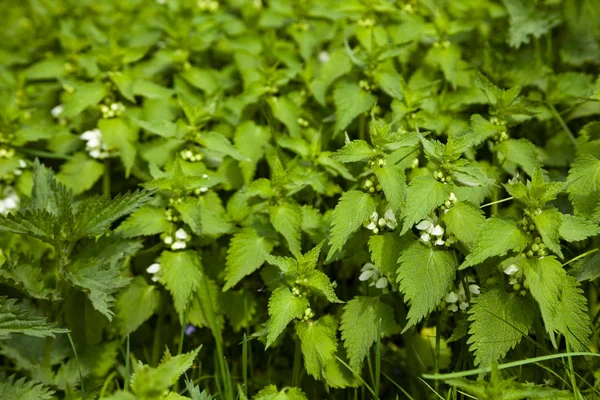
(483, 128)
(496, 238)
(283, 308)
(286, 218)
(205, 308)
(360, 321)
(218, 142)
(181, 273)
(247, 252)
(561, 300)
(80, 173)
(423, 196)
(521, 152)
(464, 220)
(356, 150)
(337, 66)
(151, 90)
(425, 275)
(272, 393)
(84, 95)
(20, 389)
(240, 308)
(166, 129)
(584, 184)
(393, 181)
(353, 208)
(118, 134)
(526, 19)
(319, 282)
(191, 213)
(145, 221)
(94, 215)
(318, 342)
(18, 319)
(575, 228)
(151, 383)
(146, 299)
(350, 101)
(385, 250)
(548, 225)
(499, 320)
(251, 141)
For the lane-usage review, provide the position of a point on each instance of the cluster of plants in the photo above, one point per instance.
(311, 199)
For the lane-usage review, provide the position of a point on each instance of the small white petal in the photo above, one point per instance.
(181, 234)
(451, 297)
(22, 164)
(323, 57)
(179, 245)
(366, 275)
(437, 231)
(204, 176)
(452, 197)
(389, 215)
(372, 225)
(56, 111)
(511, 269)
(453, 308)
(368, 266)
(153, 269)
(425, 237)
(168, 240)
(374, 216)
(463, 306)
(154, 278)
(439, 242)
(424, 225)
(474, 289)
(381, 282)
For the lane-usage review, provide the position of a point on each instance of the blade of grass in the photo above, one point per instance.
(127, 364)
(245, 365)
(408, 396)
(78, 365)
(378, 359)
(357, 376)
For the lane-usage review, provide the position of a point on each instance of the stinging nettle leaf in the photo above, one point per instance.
(584, 184)
(284, 307)
(423, 196)
(16, 318)
(286, 218)
(350, 101)
(318, 341)
(463, 221)
(247, 252)
(575, 228)
(548, 225)
(393, 182)
(181, 272)
(356, 150)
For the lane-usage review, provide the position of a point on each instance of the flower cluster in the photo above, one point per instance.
(6, 152)
(95, 146)
(179, 241)
(370, 273)
(516, 279)
(113, 110)
(457, 298)
(375, 223)
(448, 204)
(371, 185)
(191, 155)
(440, 176)
(208, 5)
(153, 270)
(430, 231)
(10, 176)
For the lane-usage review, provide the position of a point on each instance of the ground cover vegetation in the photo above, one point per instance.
(251, 199)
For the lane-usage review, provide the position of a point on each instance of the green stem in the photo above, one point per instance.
(78, 365)
(436, 364)
(127, 365)
(245, 365)
(562, 123)
(378, 360)
(297, 364)
(362, 127)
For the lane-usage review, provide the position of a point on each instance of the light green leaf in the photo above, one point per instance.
(286, 218)
(337, 66)
(251, 140)
(353, 208)
(521, 152)
(118, 134)
(319, 282)
(561, 300)
(18, 319)
(181, 273)
(423, 196)
(463, 221)
(425, 275)
(84, 95)
(146, 299)
(318, 342)
(496, 238)
(247, 252)
(218, 142)
(498, 322)
(584, 184)
(350, 101)
(272, 393)
(166, 129)
(356, 150)
(575, 228)
(393, 181)
(20, 389)
(205, 308)
(526, 19)
(283, 308)
(191, 213)
(80, 173)
(548, 225)
(145, 221)
(385, 250)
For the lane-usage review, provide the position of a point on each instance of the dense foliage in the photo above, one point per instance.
(311, 199)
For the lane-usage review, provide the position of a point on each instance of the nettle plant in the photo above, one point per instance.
(299, 199)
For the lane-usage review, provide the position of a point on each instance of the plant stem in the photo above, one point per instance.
(436, 365)
(297, 364)
(106, 178)
(127, 365)
(562, 123)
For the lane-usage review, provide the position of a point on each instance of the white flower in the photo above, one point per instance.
(204, 176)
(371, 223)
(451, 297)
(381, 283)
(452, 197)
(457, 298)
(439, 242)
(511, 269)
(425, 237)
(323, 57)
(437, 231)
(366, 275)
(181, 234)
(153, 268)
(57, 110)
(22, 164)
(474, 289)
(390, 219)
(424, 225)
(93, 137)
(428, 229)
(10, 200)
(178, 245)
(168, 240)
(370, 273)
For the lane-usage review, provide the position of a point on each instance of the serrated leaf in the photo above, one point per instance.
(353, 208)
(526, 19)
(85, 95)
(483, 128)
(145, 221)
(319, 282)
(181, 272)
(495, 238)
(272, 393)
(359, 325)
(205, 308)
(423, 196)
(393, 181)
(574, 228)
(191, 213)
(584, 184)
(498, 322)
(356, 150)
(80, 173)
(218, 142)
(146, 300)
(521, 152)
(463, 221)
(548, 224)
(247, 252)
(318, 342)
(350, 101)
(425, 275)
(20, 389)
(561, 300)
(286, 218)
(151, 383)
(283, 308)
(166, 129)
(18, 319)
(385, 250)
(338, 65)
(118, 134)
